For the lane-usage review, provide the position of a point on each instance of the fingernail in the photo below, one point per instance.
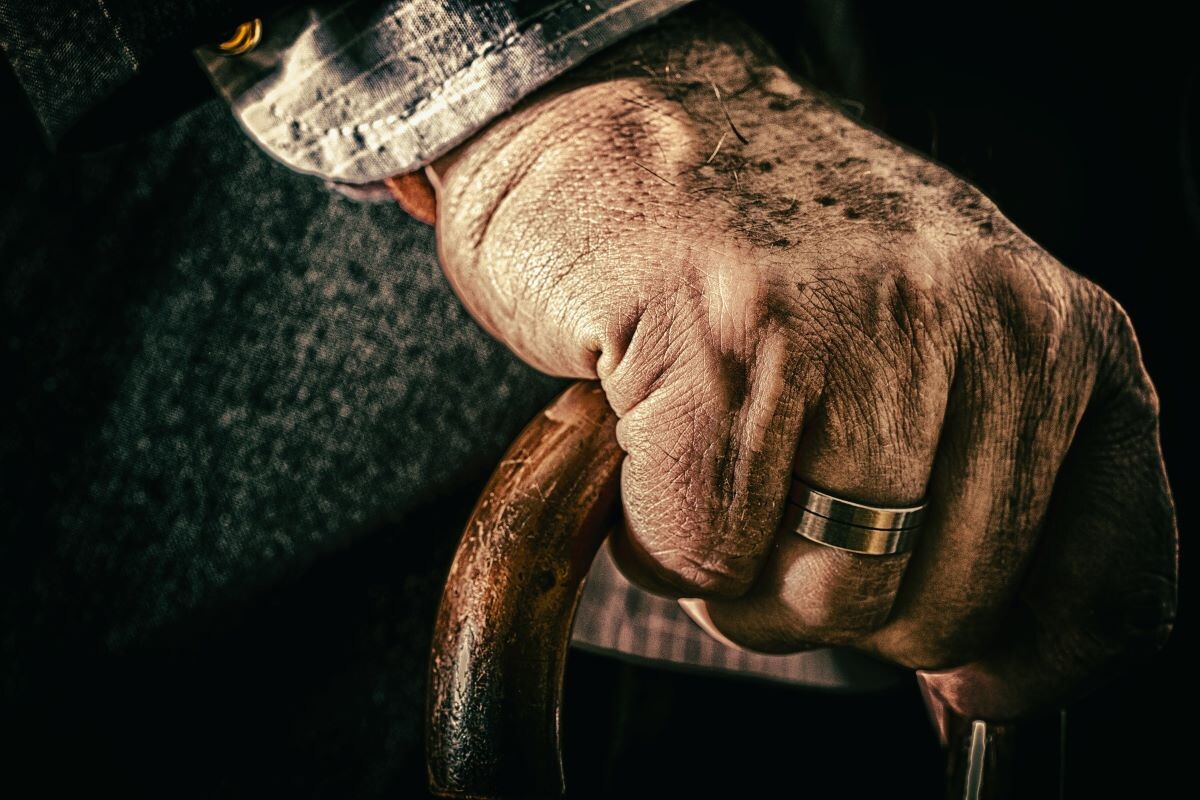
(697, 610)
(939, 710)
(434, 177)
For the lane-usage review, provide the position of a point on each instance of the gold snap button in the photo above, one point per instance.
(245, 37)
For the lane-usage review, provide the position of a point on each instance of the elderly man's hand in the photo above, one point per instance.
(764, 287)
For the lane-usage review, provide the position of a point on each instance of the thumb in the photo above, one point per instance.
(554, 231)
(527, 251)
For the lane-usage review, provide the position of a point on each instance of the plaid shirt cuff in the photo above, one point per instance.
(617, 618)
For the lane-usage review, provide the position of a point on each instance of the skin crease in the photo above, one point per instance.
(763, 287)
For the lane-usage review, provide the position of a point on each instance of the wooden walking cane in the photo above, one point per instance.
(500, 642)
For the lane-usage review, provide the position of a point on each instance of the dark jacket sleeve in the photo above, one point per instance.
(73, 57)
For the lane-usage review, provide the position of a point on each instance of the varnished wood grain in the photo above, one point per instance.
(500, 642)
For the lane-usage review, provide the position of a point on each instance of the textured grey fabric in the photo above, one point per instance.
(230, 371)
(358, 91)
(128, 57)
(65, 49)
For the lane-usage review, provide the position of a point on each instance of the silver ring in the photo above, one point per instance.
(847, 525)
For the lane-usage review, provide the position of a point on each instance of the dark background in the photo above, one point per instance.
(1082, 125)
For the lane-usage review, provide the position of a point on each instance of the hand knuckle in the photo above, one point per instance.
(1119, 354)
(1035, 304)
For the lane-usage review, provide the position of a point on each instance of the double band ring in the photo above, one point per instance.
(846, 525)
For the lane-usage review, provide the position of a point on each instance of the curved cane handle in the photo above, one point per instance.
(504, 624)
(500, 641)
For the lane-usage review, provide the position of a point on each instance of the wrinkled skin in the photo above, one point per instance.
(764, 286)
